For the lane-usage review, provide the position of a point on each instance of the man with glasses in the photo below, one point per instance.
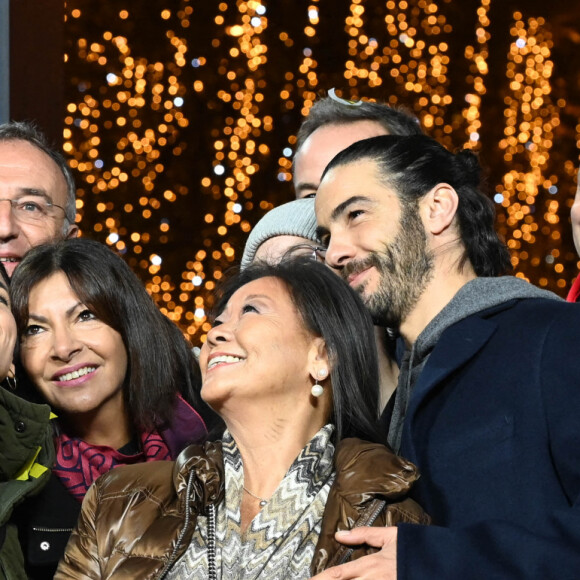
(37, 205)
(288, 230)
(37, 193)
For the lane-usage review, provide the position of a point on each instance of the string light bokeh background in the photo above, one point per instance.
(181, 119)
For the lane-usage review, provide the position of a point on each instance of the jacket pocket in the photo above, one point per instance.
(45, 546)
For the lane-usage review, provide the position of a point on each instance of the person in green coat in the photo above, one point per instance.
(26, 447)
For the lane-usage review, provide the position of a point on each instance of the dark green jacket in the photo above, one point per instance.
(26, 456)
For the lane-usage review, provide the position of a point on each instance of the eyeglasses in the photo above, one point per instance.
(316, 253)
(34, 209)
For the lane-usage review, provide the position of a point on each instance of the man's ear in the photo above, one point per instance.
(438, 208)
(73, 232)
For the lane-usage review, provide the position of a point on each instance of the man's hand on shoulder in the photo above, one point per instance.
(379, 566)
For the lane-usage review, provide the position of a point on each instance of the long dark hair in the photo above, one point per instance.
(329, 308)
(160, 361)
(414, 165)
(4, 274)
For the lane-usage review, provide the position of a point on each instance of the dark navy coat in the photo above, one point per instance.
(494, 426)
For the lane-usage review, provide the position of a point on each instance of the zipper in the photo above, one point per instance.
(363, 521)
(374, 514)
(211, 543)
(177, 547)
(54, 530)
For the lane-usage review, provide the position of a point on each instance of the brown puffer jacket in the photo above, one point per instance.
(134, 524)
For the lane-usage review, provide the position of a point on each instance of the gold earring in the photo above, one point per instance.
(11, 379)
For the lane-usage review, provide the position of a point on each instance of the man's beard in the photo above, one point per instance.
(405, 267)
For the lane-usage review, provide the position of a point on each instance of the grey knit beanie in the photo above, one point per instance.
(295, 218)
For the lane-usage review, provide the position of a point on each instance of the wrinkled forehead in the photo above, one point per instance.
(32, 168)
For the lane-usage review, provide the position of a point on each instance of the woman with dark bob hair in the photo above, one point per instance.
(119, 375)
(290, 366)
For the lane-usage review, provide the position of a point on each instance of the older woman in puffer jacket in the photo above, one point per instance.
(291, 368)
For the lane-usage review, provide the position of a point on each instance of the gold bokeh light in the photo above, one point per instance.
(182, 115)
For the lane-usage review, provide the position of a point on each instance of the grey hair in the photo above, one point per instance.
(29, 132)
(334, 111)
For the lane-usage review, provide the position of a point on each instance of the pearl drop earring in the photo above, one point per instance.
(317, 389)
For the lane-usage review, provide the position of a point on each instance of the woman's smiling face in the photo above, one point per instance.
(77, 362)
(258, 348)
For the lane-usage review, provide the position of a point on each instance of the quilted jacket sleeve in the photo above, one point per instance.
(370, 488)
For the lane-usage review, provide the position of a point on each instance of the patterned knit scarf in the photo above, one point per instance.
(279, 543)
(78, 464)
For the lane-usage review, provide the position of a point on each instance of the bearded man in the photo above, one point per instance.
(488, 393)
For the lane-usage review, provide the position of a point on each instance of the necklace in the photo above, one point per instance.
(263, 501)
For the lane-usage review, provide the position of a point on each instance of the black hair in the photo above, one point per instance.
(328, 111)
(4, 382)
(4, 274)
(412, 166)
(330, 309)
(29, 132)
(160, 361)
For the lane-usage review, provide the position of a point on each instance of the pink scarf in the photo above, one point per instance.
(78, 464)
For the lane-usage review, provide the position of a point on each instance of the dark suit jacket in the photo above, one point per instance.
(494, 426)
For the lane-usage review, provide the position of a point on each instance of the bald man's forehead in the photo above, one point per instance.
(322, 146)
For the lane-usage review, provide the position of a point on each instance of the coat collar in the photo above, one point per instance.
(206, 463)
(366, 473)
(456, 346)
(25, 429)
(186, 426)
